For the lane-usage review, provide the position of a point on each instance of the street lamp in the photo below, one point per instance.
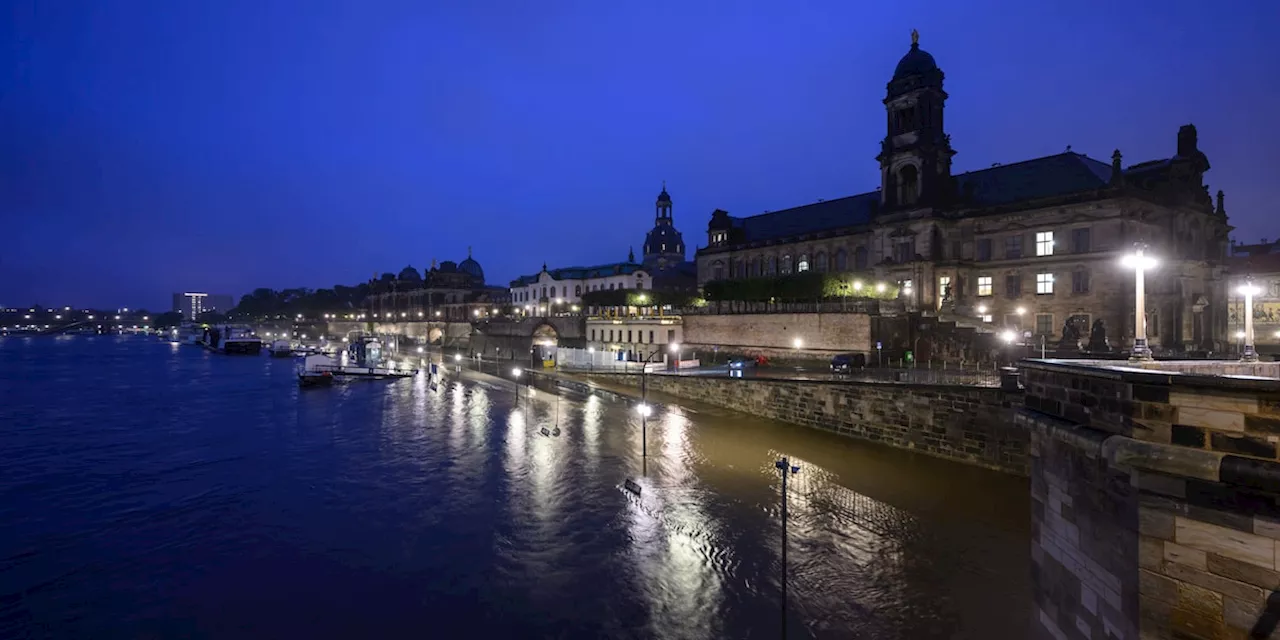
(516, 374)
(591, 358)
(798, 343)
(675, 349)
(785, 467)
(1140, 263)
(644, 410)
(1008, 336)
(1248, 289)
(880, 287)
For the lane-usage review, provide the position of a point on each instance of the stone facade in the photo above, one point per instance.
(1163, 485)
(1041, 235)
(776, 333)
(966, 424)
(642, 337)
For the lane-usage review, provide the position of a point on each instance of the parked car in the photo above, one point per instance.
(742, 363)
(847, 362)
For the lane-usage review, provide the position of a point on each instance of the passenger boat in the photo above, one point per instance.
(316, 371)
(231, 339)
(281, 349)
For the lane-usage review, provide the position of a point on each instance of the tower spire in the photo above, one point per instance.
(915, 38)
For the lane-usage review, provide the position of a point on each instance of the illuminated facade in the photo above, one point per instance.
(1032, 246)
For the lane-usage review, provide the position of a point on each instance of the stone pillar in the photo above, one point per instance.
(1154, 500)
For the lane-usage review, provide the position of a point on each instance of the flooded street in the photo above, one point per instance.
(152, 490)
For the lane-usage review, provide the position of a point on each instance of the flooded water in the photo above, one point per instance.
(149, 490)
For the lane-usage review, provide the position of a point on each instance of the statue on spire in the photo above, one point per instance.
(915, 38)
(631, 254)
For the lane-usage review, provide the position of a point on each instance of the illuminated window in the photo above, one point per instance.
(944, 286)
(1044, 243)
(984, 285)
(1044, 283)
(803, 265)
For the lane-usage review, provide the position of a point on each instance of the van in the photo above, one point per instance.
(847, 362)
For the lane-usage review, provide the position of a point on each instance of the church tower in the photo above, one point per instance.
(663, 246)
(915, 156)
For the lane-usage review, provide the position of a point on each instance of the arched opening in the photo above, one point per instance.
(717, 270)
(545, 340)
(803, 264)
(820, 261)
(434, 335)
(908, 185)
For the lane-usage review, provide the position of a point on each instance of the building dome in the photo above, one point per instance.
(664, 196)
(472, 268)
(916, 62)
(663, 239)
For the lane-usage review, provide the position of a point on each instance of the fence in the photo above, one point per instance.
(733, 307)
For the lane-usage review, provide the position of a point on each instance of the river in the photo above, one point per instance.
(150, 490)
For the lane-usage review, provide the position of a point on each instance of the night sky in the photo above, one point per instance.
(148, 147)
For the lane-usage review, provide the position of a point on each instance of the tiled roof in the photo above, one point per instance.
(1055, 175)
(829, 214)
(582, 273)
(1045, 177)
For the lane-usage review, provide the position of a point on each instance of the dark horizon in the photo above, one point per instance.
(153, 148)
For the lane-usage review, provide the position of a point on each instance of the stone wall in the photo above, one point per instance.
(968, 424)
(775, 333)
(451, 334)
(1176, 471)
(1083, 535)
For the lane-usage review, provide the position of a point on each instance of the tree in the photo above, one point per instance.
(168, 319)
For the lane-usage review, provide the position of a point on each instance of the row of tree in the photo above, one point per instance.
(287, 302)
(805, 286)
(636, 298)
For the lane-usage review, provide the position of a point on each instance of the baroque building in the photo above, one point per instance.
(1032, 245)
(449, 291)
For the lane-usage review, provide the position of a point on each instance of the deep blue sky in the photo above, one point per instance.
(148, 147)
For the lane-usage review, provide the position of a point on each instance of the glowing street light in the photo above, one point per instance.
(785, 467)
(1008, 336)
(1020, 311)
(1249, 290)
(857, 285)
(476, 313)
(1140, 263)
(982, 309)
(880, 287)
(644, 410)
(419, 349)
(798, 343)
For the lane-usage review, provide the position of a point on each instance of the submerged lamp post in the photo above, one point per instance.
(1140, 263)
(516, 374)
(785, 467)
(644, 410)
(1248, 289)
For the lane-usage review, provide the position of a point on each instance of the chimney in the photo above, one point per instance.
(1187, 144)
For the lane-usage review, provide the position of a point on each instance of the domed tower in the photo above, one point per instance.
(915, 156)
(663, 246)
(472, 268)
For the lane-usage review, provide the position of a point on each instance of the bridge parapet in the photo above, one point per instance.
(1154, 498)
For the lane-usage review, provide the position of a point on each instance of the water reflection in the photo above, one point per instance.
(219, 501)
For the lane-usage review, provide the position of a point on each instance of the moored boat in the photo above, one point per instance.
(281, 349)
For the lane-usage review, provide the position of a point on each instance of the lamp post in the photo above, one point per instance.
(1140, 263)
(785, 467)
(591, 358)
(1248, 289)
(675, 349)
(516, 375)
(457, 359)
(644, 410)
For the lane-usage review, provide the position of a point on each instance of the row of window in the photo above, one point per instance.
(1044, 325)
(1045, 244)
(903, 251)
(1045, 284)
(638, 334)
(547, 293)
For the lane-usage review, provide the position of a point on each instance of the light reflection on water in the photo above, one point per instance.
(216, 499)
